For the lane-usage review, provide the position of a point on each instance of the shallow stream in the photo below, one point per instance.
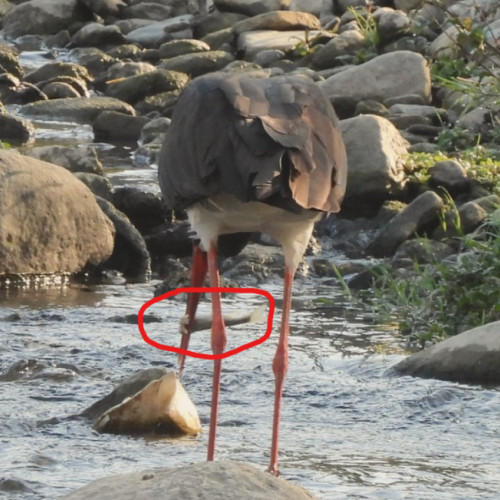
(350, 430)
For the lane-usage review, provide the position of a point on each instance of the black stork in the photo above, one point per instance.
(243, 154)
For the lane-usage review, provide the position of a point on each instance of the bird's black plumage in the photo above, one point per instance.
(274, 140)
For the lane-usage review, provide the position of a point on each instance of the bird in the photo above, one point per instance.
(248, 153)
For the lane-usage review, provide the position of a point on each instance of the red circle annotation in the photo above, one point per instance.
(186, 352)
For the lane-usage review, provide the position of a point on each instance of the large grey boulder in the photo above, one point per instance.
(472, 357)
(374, 149)
(392, 75)
(43, 17)
(223, 480)
(49, 220)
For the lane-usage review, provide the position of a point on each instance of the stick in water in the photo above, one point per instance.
(204, 322)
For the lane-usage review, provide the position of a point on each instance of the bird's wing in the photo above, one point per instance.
(256, 138)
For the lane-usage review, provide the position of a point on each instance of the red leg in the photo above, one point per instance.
(280, 367)
(198, 273)
(218, 345)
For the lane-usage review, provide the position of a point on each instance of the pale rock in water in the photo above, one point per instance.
(161, 405)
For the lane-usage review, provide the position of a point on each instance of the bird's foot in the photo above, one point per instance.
(273, 470)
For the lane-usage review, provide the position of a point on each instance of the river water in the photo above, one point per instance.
(349, 428)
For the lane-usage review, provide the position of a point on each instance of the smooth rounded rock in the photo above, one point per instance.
(472, 357)
(62, 229)
(222, 480)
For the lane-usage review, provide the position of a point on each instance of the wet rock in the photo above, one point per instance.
(5, 6)
(371, 107)
(250, 7)
(58, 69)
(98, 184)
(198, 63)
(130, 254)
(111, 126)
(154, 130)
(469, 217)
(374, 169)
(128, 25)
(94, 60)
(135, 88)
(59, 90)
(391, 23)
(162, 103)
(148, 10)
(77, 109)
(14, 130)
(250, 43)
(125, 389)
(267, 58)
(449, 175)
(432, 113)
(348, 42)
(150, 401)
(406, 223)
(97, 35)
(179, 47)
(217, 22)
(408, 5)
(445, 45)
(105, 8)
(213, 480)
(254, 264)
(80, 159)
(386, 76)
(24, 368)
(13, 486)
(279, 21)
(145, 210)
(63, 228)
(154, 34)
(423, 251)
(9, 61)
(472, 357)
(43, 17)
(13, 91)
(168, 240)
(411, 42)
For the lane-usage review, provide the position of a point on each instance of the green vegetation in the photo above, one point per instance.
(435, 301)
(481, 163)
(471, 74)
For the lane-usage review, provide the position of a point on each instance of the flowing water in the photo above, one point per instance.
(349, 428)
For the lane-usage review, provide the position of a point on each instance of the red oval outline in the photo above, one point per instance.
(193, 354)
